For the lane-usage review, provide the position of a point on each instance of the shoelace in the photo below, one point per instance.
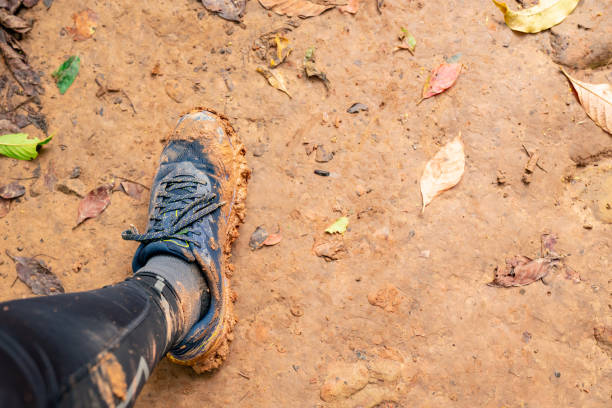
(197, 207)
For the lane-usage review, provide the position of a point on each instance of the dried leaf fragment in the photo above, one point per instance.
(85, 24)
(12, 190)
(13, 22)
(273, 239)
(521, 270)
(443, 171)
(441, 78)
(16, 60)
(94, 203)
(546, 14)
(596, 99)
(258, 237)
(311, 69)
(275, 79)
(134, 190)
(408, 42)
(283, 49)
(37, 276)
(231, 10)
(295, 8)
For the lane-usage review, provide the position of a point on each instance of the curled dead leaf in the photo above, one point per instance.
(37, 276)
(275, 79)
(596, 99)
(520, 271)
(94, 203)
(443, 171)
(546, 14)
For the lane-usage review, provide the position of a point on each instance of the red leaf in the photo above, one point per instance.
(520, 271)
(273, 239)
(440, 79)
(132, 189)
(94, 203)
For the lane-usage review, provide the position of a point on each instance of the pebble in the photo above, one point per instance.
(323, 173)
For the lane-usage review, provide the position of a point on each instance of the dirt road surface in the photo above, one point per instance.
(309, 334)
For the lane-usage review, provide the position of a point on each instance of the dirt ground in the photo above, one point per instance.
(307, 334)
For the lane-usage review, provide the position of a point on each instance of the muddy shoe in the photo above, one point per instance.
(197, 202)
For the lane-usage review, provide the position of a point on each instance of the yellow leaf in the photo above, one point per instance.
(596, 99)
(339, 226)
(443, 171)
(541, 17)
(283, 49)
(275, 79)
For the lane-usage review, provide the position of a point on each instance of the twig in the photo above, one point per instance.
(131, 181)
(529, 155)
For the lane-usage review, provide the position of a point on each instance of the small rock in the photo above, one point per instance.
(258, 237)
(322, 155)
(72, 186)
(501, 178)
(557, 374)
(344, 380)
(259, 149)
(357, 107)
(425, 253)
(323, 173)
(387, 298)
(330, 250)
(76, 172)
(588, 226)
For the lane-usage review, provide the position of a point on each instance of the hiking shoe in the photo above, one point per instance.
(197, 202)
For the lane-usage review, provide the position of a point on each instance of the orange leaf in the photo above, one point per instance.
(85, 23)
(440, 79)
(273, 239)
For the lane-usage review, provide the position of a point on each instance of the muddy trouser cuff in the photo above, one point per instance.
(93, 348)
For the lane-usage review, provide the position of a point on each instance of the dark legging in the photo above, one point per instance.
(88, 349)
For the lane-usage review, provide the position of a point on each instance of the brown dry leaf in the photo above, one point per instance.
(351, 7)
(12, 190)
(443, 171)
(388, 298)
(520, 271)
(85, 24)
(13, 22)
(231, 10)
(37, 276)
(293, 8)
(596, 99)
(273, 239)
(134, 190)
(15, 59)
(275, 79)
(94, 203)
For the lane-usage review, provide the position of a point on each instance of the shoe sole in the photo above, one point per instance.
(217, 349)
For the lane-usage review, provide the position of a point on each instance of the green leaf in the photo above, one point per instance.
(309, 54)
(18, 146)
(66, 73)
(339, 226)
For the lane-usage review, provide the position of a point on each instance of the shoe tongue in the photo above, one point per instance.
(146, 251)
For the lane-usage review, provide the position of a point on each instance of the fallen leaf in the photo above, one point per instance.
(330, 250)
(293, 8)
(275, 79)
(283, 49)
(18, 146)
(66, 73)
(231, 10)
(12, 190)
(547, 244)
(15, 59)
(311, 69)
(273, 239)
(596, 99)
(258, 237)
(134, 190)
(520, 271)
(440, 79)
(443, 171)
(408, 42)
(85, 24)
(357, 107)
(37, 276)
(546, 14)
(351, 7)
(13, 22)
(339, 226)
(387, 298)
(94, 203)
